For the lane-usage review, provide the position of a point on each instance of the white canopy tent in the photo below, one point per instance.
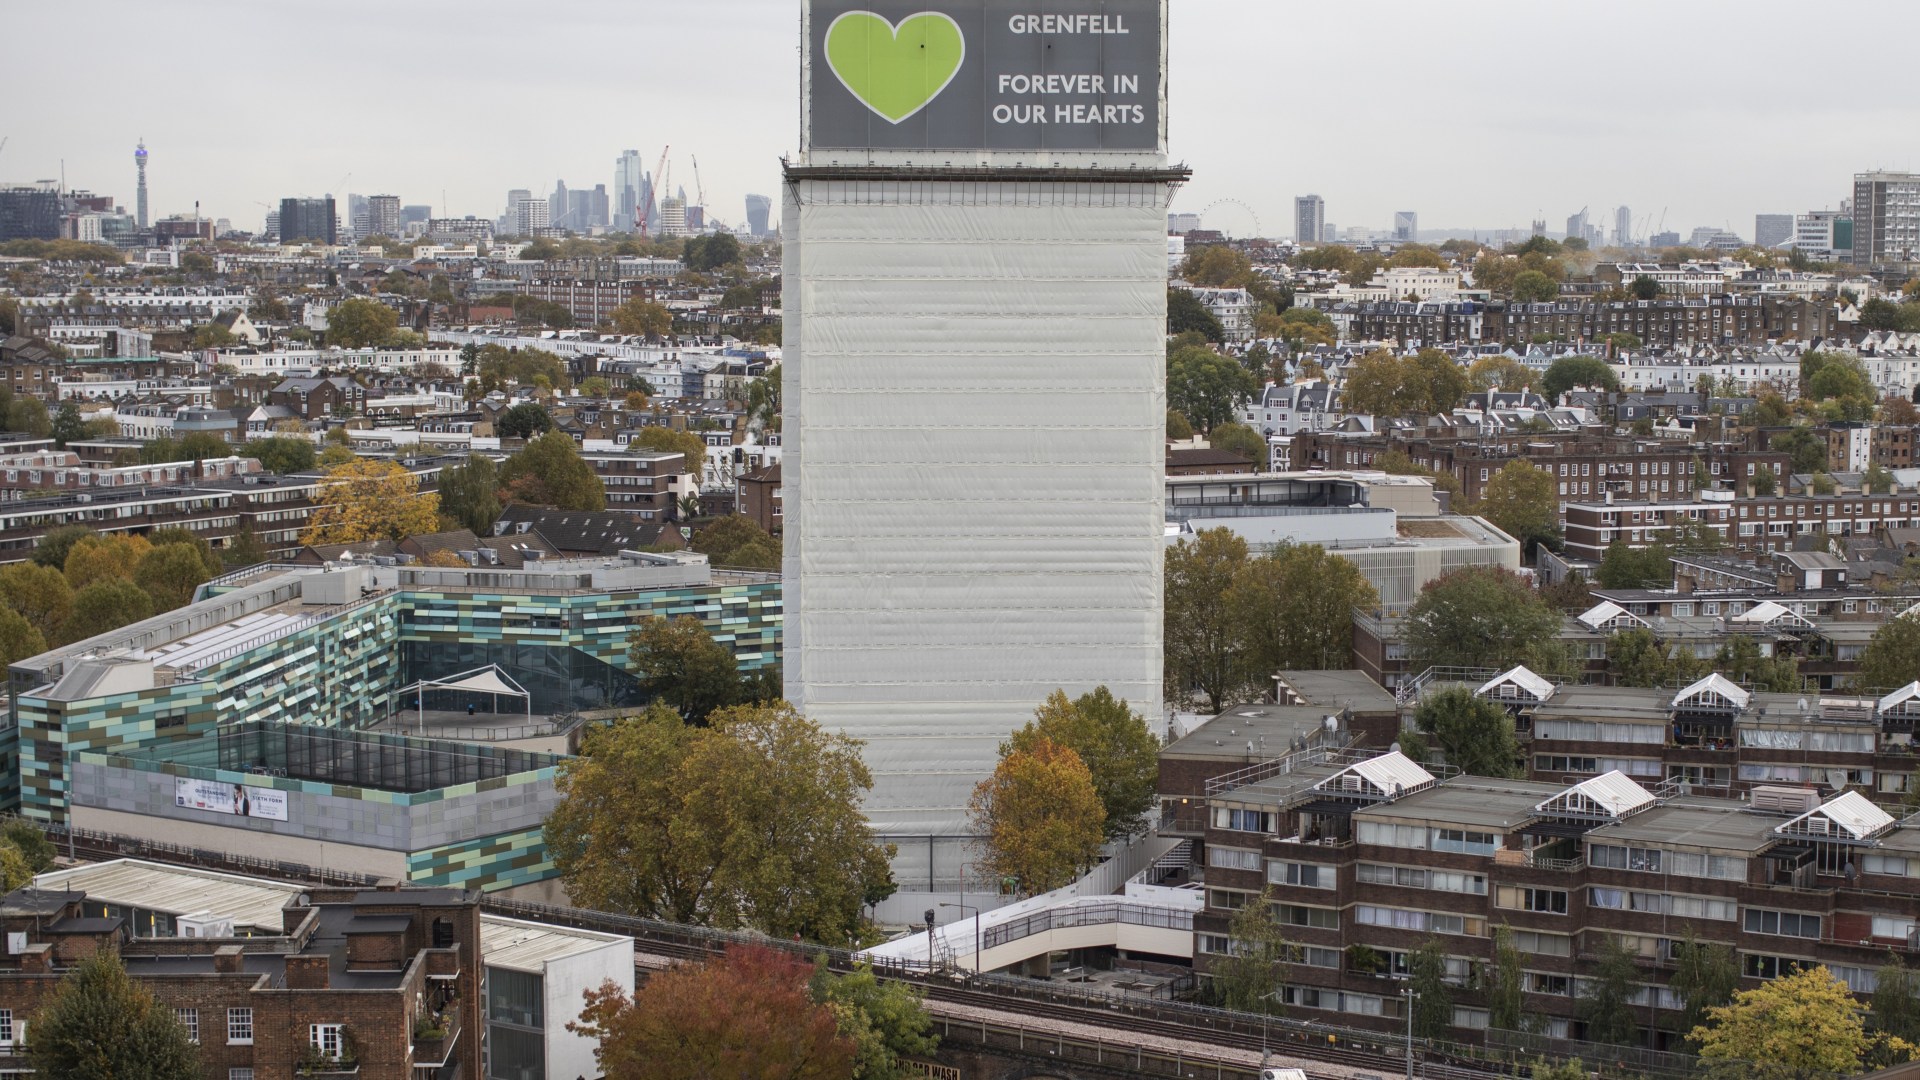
(489, 680)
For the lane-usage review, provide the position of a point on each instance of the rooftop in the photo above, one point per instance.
(1477, 801)
(1713, 824)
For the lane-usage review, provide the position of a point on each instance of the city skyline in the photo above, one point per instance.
(1492, 156)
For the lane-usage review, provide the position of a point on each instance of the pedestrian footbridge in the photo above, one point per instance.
(1146, 919)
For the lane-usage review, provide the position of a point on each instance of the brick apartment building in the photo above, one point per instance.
(1756, 526)
(1368, 857)
(591, 301)
(759, 497)
(1693, 321)
(380, 984)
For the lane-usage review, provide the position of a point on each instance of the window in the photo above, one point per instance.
(240, 1073)
(1226, 817)
(1756, 966)
(1897, 927)
(1464, 841)
(189, 1019)
(1782, 923)
(239, 1027)
(1402, 836)
(1318, 918)
(1541, 944)
(1314, 956)
(327, 1040)
(1548, 901)
(1538, 982)
(1309, 875)
(6, 1027)
(1233, 858)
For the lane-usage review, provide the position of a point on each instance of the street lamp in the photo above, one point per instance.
(976, 933)
(1266, 1016)
(1409, 995)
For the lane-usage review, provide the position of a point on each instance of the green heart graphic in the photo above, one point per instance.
(895, 70)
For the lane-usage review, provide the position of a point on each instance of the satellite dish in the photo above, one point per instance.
(1394, 749)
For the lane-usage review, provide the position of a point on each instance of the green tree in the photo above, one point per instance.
(1217, 266)
(1039, 817)
(56, 543)
(1764, 483)
(67, 425)
(1293, 609)
(1623, 566)
(1739, 659)
(1201, 635)
(886, 1021)
(1892, 656)
(469, 495)
(107, 604)
(1432, 997)
(704, 254)
(100, 1024)
(1532, 287)
(283, 454)
(1481, 616)
(1120, 752)
(359, 323)
(1705, 975)
(1477, 735)
(1383, 384)
(1178, 429)
(29, 416)
(524, 421)
(1571, 371)
(1252, 972)
(549, 471)
(1806, 452)
(1877, 481)
(1896, 1000)
(39, 594)
(19, 638)
(679, 663)
(1570, 1069)
(169, 574)
(1521, 501)
(31, 843)
(753, 820)
(737, 541)
(1187, 315)
(1235, 438)
(1606, 1005)
(673, 441)
(1806, 1022)
(1506, 983)
(1207, 387)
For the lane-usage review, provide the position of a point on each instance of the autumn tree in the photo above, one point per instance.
(19, 638)
(1481, 616)
(1249, 976)
(107, 557)
(639, 316)
(1178, 429)
(1217, 266)
(101, 1024)
(370, 500)
(1499, 372)
(1201, 635)
(469, 495)
(670, 440)
(1113, 741)
(753, 820)
(1805, 1022)
(358, 323)
(1522, 502)
(1040, 817)
(747, 1013)
(40, 594)
(1236, 438)
(1293, 609)
(549, 471)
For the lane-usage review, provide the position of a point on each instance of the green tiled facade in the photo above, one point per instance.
(488, 863)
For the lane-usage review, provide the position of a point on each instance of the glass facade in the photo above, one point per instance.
(559, 677)
(516, 1043)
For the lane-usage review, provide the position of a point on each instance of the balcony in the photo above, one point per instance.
(434, 1037)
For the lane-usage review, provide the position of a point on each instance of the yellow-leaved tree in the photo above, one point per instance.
(1805, 1023)
(1041, 817)
(366, 499)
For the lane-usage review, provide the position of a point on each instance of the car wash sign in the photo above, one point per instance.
(1020, 75)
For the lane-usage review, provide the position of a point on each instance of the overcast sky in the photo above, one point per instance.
(1473, 114)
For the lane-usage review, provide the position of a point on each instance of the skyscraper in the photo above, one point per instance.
(383, 216)
(309, 221)
(1577, 225)
(1622, 227)
(530, 216)
(1309, 219)
(557, 207)
(140, 163)
(673, 217)
(759, 209)
(1406, 226)
(1886, 219)
(1772, 230)
(944, 572)
(627, 177)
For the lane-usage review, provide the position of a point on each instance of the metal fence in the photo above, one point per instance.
(1041, 922)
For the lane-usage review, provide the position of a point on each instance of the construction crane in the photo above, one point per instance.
(647, 216)
(699, 189)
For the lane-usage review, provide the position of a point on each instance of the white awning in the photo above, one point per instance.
(1850, 812)
(1532, 685)
(1898, 697)
(1604, 613)
(485, 681)
(1389, 776)
(1613, 794)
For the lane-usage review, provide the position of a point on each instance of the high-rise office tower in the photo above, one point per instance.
(1622, 227)
(945, 572)
(1772, 230)
(627, 178)
(1886, 220)
(673, 217)
(557, 207)
(383, 216)
(1309, 219)
(1577, 225)
(140, 164)
(309, 221)
(759, 209)
(1406, 226)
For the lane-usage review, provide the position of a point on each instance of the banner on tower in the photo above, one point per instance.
(971, 75)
